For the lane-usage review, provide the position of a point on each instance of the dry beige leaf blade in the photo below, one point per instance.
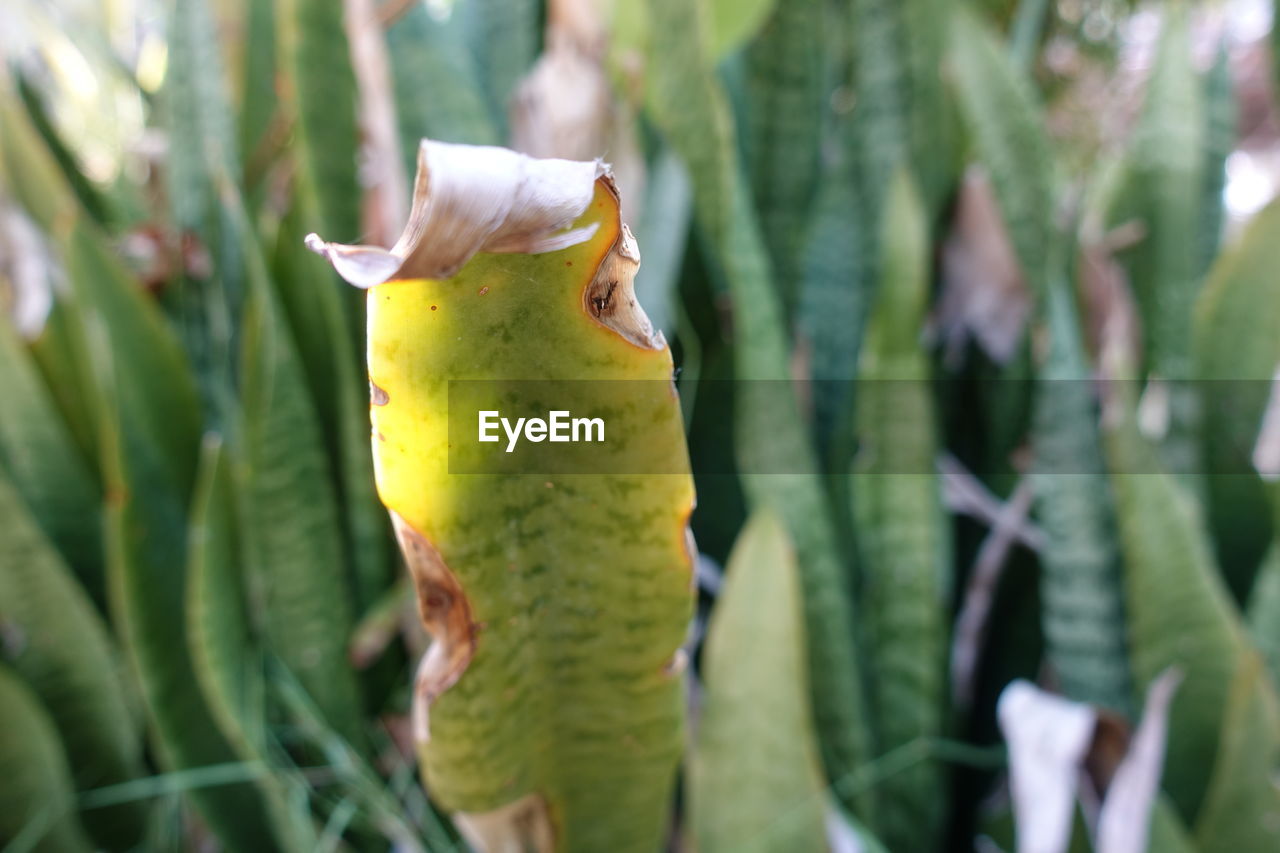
(469, 199)
(1125, 816)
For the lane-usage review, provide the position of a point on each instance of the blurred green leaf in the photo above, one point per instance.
(902, 536)
(771, 796)
(46, 467)
(785, 101)
(36, 800)
(289, 515)
(1180, 613)
(1221, 117)
(505, 37)
(438, 95)
(1081, 594)
(777, 461)
(311, 298)
(1237, 346)
(59, 644)
(1006, 126)
(1241, 809)
(227, 662)
(316, 70)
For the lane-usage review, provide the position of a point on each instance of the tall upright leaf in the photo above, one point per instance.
(1003, 119)
(778, 463)
(785, 98)
(316, 68)
(504, 36)
(36, 801)
(289, 513)
(438, 95)
(1180, 613)
(44, 463)
(62, 648)
(1221, 114)
(228, 662)
(1237, 345)
(902, 536)
(1082, 599)
(753, 666)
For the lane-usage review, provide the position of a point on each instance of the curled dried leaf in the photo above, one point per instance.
(469, 199)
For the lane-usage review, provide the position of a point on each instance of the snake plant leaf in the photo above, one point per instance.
(37, 800)
(1242, 804)
(553, 682)
(504, 37)
(42, 460)
(338, 392)
(1003, 118)
(1237, 347)
(227, 663)
(1165, 176)
(687, 102)
(834, 301)
(785, 98)
(901, 116)
(1221, 118)
(145, 526)
(289, 511)
(1179, 612)
(63, 651)
(1081, 593)
(436, 83)
(770, 796)
(900, 528)
(317, 74)
(257, 108)
(202, 131)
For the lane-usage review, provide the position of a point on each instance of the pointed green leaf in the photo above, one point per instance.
(1242, 804)
(61, 647)
(228, 664)
(1081, 594)
(43, 462)
(1003, 117)
(771, 796)
(901, 531)
(289, 513)
(688, 104)
(36, 800)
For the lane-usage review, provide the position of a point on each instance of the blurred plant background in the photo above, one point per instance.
(937, 221)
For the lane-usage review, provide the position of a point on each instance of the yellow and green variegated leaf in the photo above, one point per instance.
(37, 800)
(780, 469)
(1241, 808)
(557, 602)
(61, 647)
(770, 796)
(904, 563)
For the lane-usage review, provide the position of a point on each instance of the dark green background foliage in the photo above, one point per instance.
(938, 221)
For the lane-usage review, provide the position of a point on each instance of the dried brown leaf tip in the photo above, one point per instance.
(469, 199)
